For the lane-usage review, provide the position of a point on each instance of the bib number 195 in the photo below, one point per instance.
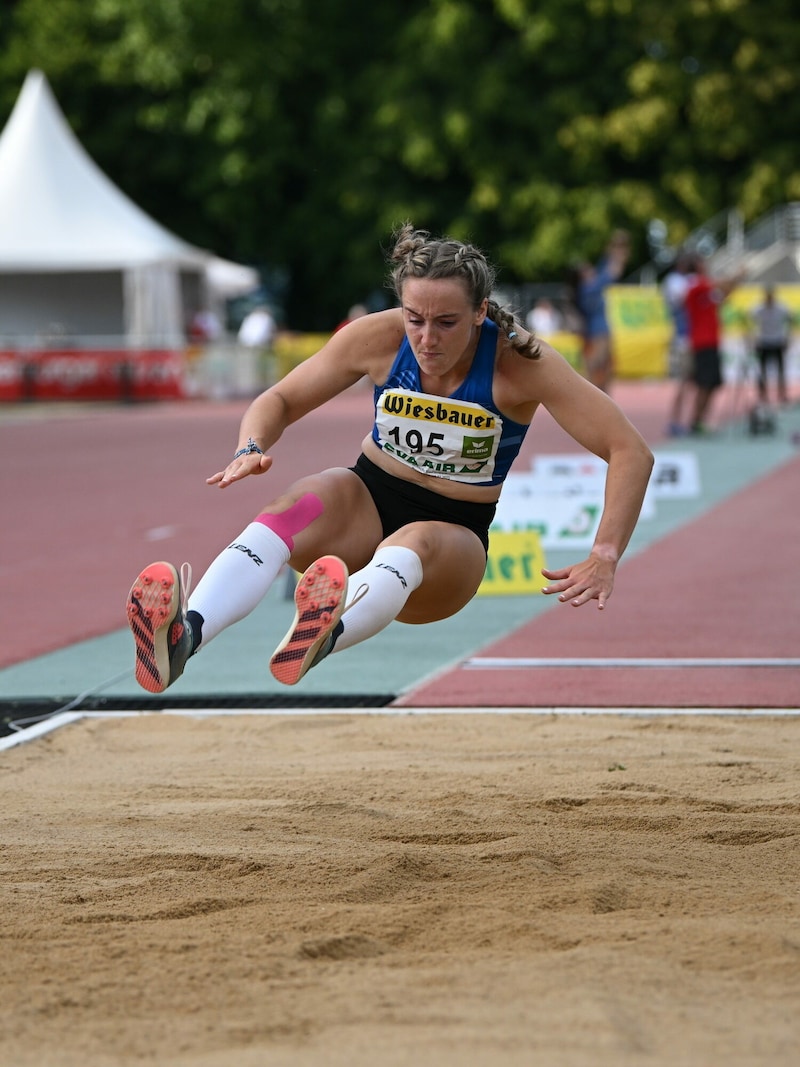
(416, 443)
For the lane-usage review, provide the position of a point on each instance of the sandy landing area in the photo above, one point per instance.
(385, 890)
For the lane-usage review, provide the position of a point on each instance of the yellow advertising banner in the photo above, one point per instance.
(641, 330)
(738, 308)
(514, 566)
(290, 349)
(570, 345)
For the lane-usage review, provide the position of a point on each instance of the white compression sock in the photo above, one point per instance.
(238, 579)
(391, 576)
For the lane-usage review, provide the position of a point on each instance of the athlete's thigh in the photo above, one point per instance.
(349, 525)
(453, 565)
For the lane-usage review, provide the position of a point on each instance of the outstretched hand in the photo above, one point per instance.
(592, 579)
(252, 463)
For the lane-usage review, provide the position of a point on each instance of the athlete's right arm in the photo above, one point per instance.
(364, 346)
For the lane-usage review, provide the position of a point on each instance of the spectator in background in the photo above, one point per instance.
(591, 301)
(674, 287)
(704, 297)
(573, 321)
(773, 323)
(256, 335)
(357, 311)
(204, 326)
(543, 319)
(258, 328)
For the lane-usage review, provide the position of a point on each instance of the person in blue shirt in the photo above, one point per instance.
(403, 533)
(592, 283)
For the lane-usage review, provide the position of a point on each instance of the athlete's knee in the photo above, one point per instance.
(416, 536)
(293, 519)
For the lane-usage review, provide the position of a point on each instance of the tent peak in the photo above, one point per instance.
(57, 207)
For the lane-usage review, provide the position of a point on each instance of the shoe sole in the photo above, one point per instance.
(153, 603)
(319, 599)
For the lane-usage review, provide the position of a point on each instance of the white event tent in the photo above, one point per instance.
(80, 263)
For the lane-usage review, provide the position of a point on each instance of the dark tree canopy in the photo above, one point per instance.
(296, 135)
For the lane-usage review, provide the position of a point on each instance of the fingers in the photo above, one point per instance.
(561, 577)
(237, 469)
(555, 575)
(575, 586)
(577, 595)
(585, 597)
(560, 580)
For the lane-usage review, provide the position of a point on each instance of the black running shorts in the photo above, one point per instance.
(400, 502)
(707, 368)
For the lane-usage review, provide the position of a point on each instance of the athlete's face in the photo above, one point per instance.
(441, 324)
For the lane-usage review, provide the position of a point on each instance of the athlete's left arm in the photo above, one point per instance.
(594, 421)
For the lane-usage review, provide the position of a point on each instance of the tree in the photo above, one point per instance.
(296, 135)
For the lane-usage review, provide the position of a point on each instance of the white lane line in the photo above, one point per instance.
(523, 663)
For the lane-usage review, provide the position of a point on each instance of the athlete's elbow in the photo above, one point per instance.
(646, 454)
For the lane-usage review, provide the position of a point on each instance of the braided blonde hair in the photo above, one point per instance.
(417, 255)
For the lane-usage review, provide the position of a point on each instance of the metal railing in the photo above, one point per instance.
(726, 240)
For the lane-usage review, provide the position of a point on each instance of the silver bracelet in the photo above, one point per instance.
(248, 449)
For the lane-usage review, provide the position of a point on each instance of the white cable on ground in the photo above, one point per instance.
(21, 724)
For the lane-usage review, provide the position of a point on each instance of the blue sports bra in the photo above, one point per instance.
(462, 437)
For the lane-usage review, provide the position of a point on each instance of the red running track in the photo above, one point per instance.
(91, 494)
(722, 587)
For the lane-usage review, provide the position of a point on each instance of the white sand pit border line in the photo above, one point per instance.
(55, 722)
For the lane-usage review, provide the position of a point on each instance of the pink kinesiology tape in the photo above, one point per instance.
(296, 518)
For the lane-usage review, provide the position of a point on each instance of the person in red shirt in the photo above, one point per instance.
(704, 298)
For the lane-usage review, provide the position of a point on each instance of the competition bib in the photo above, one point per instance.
(434, 435)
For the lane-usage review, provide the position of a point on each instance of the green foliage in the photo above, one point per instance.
(297, 135)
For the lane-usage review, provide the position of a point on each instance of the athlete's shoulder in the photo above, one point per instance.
(368, 344)
(521, 384)
(378, 325)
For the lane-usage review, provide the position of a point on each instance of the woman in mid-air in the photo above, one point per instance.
(402, 534)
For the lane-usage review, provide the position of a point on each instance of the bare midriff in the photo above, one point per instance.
(447, 487)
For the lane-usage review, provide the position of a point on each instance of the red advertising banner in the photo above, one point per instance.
(106, 374)
(10, 377)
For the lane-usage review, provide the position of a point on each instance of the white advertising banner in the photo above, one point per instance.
(676, 476)
(561, 518)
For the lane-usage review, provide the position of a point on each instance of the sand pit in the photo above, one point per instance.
(413, 889)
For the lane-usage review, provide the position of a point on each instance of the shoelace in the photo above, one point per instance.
(186, 585)
(327, 644)
(361, 592)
